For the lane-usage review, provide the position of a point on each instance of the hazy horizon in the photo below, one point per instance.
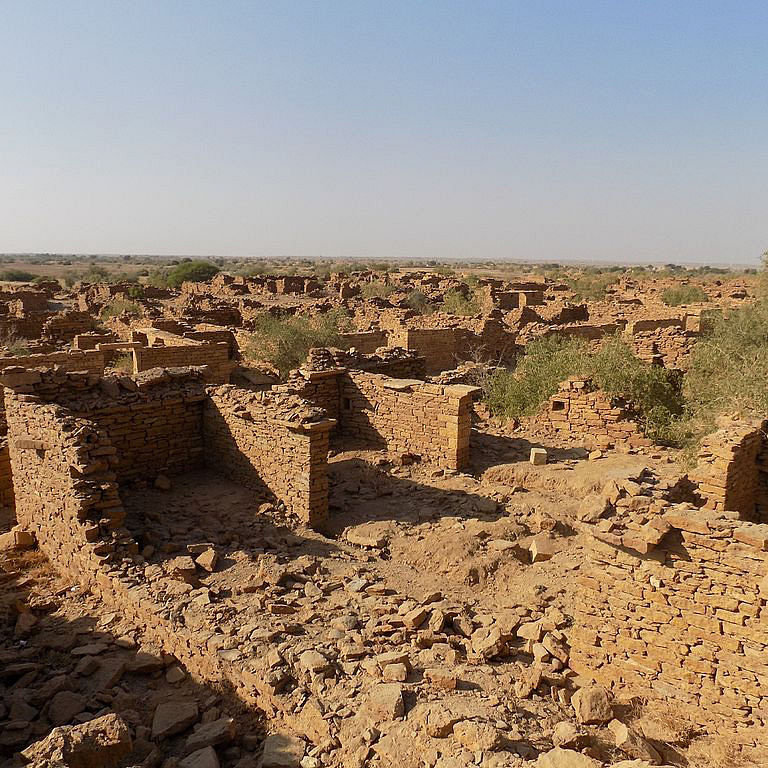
(552, 131)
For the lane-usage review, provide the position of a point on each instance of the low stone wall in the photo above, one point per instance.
(677, 610)
(215, 356)
(63, 474)
(274, 443)
(85, 341)
(91, 360)
(66, 325)
(579, 410)
(441, 347)
(365, 342)
(732, 470)
(408, 416)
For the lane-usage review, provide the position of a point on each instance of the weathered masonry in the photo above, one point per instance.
(67, 430)
(679, 609)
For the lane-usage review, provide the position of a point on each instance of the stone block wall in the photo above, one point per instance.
(365, 342)
(63, 472)
(685, 621)
(64, 326)
(408, 416)
(153, 424)
(91, 360)
(7, 501)
(155, 435)
(581, 411)
(275, 443)
(215, 356)
(85, 341)
(732, 470)
(441, 347)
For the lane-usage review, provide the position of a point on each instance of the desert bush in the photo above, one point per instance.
(728, 371)
(123, 363)
(118, 307)
(614, 368)
(285, 341)
(418, 302)
(377, 289)
(455, 303)
(184, 271)
(684, 294)
(547, 362)
(16, 276)
(590, 286)
(14, 345)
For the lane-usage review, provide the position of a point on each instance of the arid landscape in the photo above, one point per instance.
(296, 513)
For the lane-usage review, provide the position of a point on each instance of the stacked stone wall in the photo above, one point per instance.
(215, 356)
(65, 326)
(685, 621)
(276, 444)
(365, 342)
(63, 475)
(91, 360)
(580, 411)
(408, 416)
(732, 470)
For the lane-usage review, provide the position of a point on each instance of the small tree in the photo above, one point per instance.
(190, 271)
(285, 341)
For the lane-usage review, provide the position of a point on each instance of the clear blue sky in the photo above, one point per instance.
(617, 130)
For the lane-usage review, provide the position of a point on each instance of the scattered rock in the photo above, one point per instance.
(591, 705)
(64, 706)
(202, 758)
(565, 758)
(163, 483)
(100, 743)
(385, 702)
(207, 560)
(281, 750)
(173, 717)
(631, 743)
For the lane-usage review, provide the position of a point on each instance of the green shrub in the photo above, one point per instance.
(285, 341)
(377, 290)
(547, 362)
(186, 271)
(118, 307)
(728, 371)
(614, 368)
(590, 286)
(123, 363)
(136, 291)
(684, 294)
(14, 345)
(418, 302)
(17, 276)
(455, 303)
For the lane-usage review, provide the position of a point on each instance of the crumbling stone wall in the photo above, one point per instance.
(91, 340)
(581, 411)
(63, 472)
(441, 347)
(365, 342)
(153, 424)
(272, 442)
(215, 356)
(91, 360)
(684, 619)
(63, 327)
(408, 416)
(732, 470)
